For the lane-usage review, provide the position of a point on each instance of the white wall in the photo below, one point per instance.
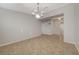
(69, 21)
(77, 26)
(16, 26)
(69, 24)
(57, 28)
(47, 28)
(78, 21)
(77, 18)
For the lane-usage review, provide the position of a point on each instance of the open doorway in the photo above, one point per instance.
(58, 24)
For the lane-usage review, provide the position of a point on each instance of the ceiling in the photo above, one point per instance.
(28, 7)
(55, 17)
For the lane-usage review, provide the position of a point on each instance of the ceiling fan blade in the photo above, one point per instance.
(44, 9)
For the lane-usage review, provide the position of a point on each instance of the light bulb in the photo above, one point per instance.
(37, 16)
(33, 13)
(59, 18)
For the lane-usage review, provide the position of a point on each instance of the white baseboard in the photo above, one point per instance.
(77, 45)
(11, 42)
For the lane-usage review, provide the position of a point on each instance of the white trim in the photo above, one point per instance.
(75, 43)
(7, 43)
(77, 46)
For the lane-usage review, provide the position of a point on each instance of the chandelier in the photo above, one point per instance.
(37, 13)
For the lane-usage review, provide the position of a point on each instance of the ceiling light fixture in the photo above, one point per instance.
(37, 13)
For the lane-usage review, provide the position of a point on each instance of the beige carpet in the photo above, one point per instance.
(42, 45)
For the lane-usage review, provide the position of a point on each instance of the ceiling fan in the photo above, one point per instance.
(37, 12)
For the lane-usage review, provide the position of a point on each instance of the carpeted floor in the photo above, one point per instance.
(42, 45)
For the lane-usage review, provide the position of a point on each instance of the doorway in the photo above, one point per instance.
(58, 22)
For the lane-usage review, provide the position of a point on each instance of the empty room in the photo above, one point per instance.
(39, 29)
